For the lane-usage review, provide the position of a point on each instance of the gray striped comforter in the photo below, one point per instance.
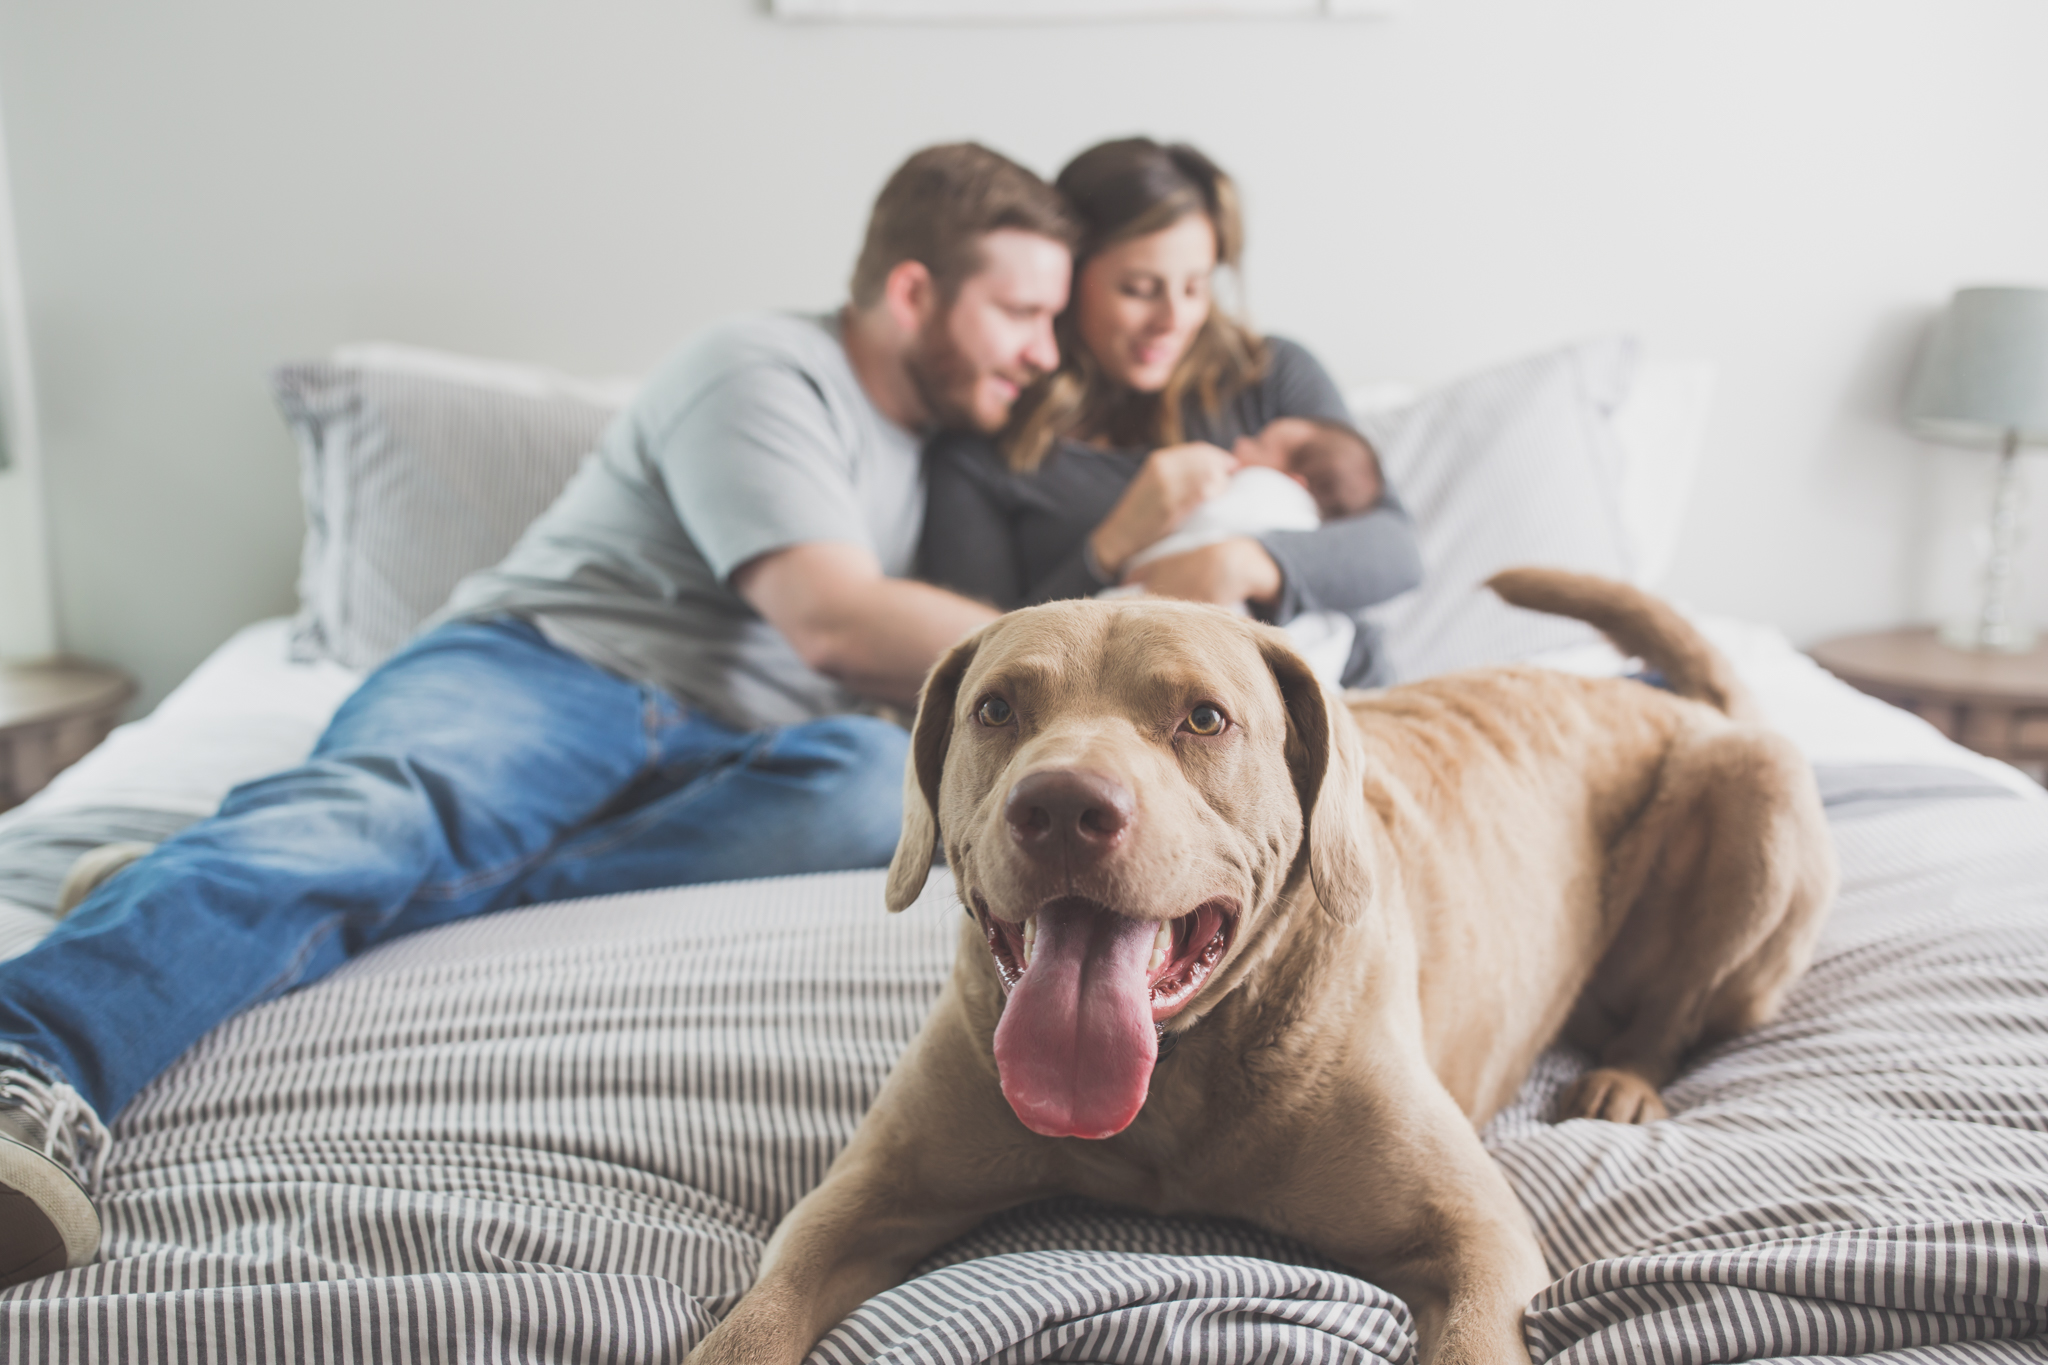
(562, 1134)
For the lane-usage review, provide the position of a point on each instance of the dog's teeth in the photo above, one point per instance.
(1162, 944)
(1030, 938)
(1158, 961)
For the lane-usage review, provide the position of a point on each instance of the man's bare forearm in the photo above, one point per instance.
(873, 634)
(884, 646)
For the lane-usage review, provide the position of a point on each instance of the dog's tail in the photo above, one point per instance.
(1639, 625)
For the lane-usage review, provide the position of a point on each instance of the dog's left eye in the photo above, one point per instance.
(1206, 720)
(994, 711)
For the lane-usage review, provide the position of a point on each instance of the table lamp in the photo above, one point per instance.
(1983, 381)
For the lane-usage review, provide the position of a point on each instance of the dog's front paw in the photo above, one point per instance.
(1611, 1094)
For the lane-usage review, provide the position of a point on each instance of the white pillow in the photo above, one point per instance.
(1520, 464)
(1661, 425)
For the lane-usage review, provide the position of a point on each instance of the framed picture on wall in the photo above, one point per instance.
(1071, 11)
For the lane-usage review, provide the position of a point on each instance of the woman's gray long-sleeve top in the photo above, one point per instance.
(1019, 539)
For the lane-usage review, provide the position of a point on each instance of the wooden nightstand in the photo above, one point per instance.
(51, 714)
(1996, 704)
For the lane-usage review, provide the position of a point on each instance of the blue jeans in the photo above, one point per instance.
(480, 768)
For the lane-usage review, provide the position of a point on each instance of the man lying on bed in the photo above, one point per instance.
(654, 688)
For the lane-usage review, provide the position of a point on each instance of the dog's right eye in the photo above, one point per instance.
(994, 711)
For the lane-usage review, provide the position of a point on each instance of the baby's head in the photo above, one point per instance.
(1335, 465)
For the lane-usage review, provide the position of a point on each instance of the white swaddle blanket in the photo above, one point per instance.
(1257, 500)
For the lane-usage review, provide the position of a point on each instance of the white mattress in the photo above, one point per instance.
(1830, 721)
(248, 710)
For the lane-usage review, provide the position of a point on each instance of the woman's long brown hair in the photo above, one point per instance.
(1119, 190)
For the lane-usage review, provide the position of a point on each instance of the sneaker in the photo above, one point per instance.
(52, 1152)
(95, 867)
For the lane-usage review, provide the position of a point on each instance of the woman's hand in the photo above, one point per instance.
(1171, 484)
(1226, 573)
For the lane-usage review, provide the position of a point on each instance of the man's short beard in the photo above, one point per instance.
(942, 374)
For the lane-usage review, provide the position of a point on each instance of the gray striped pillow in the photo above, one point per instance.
(1515, 465)
(417, 469)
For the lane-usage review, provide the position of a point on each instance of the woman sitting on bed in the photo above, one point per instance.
(1156, 422)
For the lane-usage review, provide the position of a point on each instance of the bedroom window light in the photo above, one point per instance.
(1983, 381)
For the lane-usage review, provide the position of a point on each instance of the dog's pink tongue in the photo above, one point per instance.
(1076, 1045)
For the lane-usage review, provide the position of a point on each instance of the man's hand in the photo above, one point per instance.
(1227, 573)
(1171, 484)
(871, 633)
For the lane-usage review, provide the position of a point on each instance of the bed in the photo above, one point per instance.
(563, 1133)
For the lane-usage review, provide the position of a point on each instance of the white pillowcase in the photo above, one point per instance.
(1516, 465)
(1661, 425)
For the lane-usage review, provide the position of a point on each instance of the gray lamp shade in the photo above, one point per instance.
(1985, 371)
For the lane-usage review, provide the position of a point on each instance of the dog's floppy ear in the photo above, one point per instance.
(930, 733)
(1323, 758)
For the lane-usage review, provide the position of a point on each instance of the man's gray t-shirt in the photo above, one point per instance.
(754, 437)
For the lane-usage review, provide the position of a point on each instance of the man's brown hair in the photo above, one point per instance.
(938, 206)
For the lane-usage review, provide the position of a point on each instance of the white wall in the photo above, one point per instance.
(28, 627)
(204, 188)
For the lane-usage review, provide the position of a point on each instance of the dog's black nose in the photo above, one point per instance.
(1064, 809)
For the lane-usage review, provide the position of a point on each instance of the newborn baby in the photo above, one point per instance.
(1293, 476)
(1335, 466)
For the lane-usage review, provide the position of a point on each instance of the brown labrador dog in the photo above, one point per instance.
(1240, 946)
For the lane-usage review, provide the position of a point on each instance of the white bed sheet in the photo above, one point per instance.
(249, 710)
(1829, 720)
(246, 711)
